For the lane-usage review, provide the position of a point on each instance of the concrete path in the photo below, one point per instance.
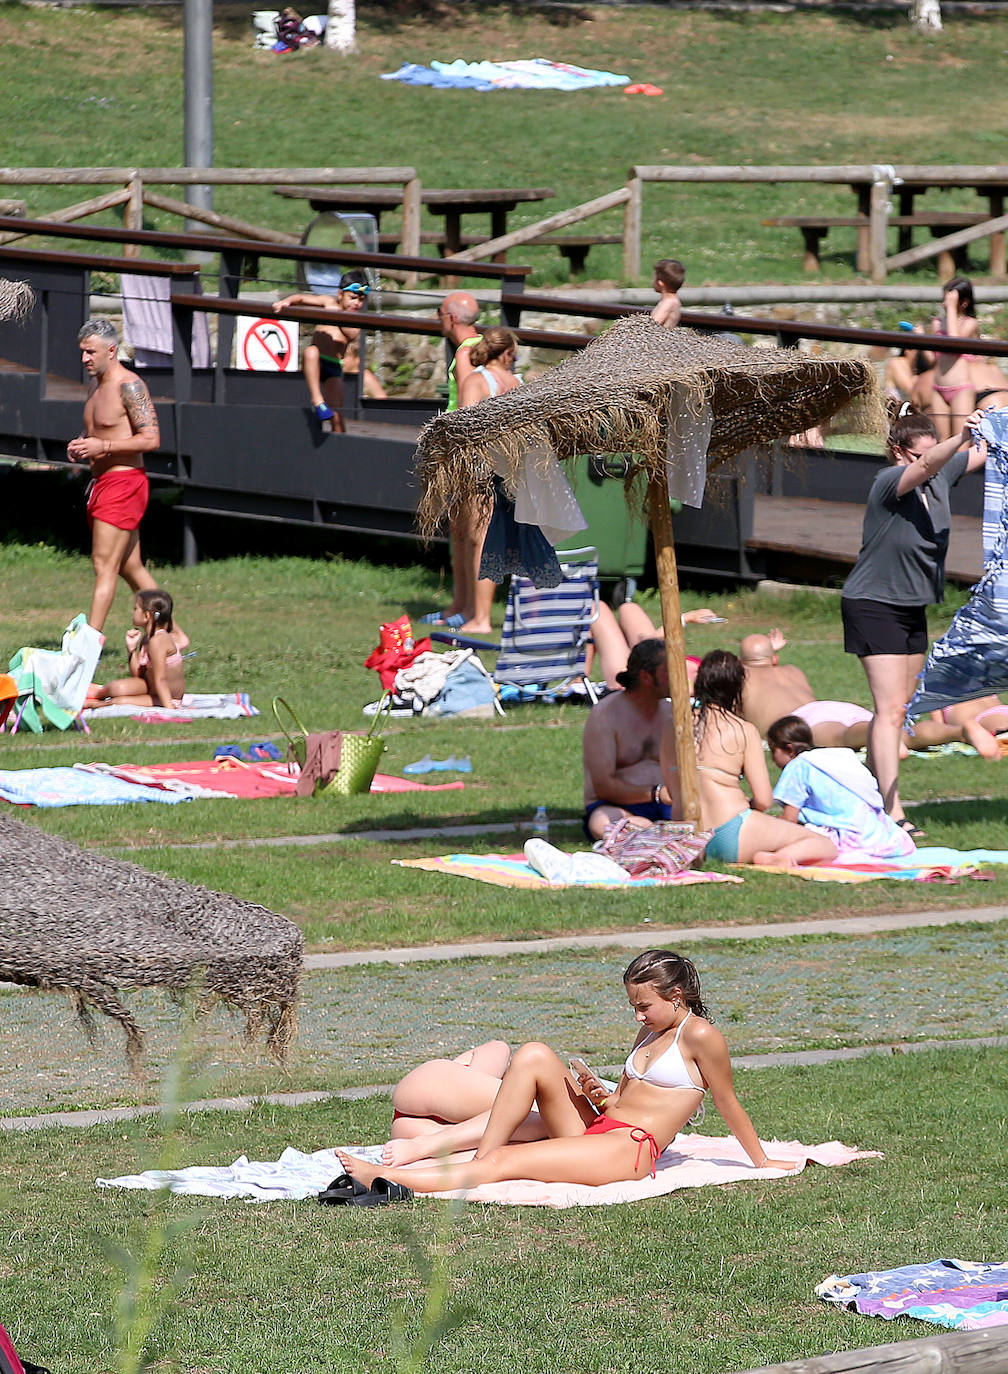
(644, 939)
(83, 1119)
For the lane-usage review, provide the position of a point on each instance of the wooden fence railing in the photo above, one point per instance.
(133, 193)
(874, 185)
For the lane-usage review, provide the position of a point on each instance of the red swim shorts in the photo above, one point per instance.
(119, 498)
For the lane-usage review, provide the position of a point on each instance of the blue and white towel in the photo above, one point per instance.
(528, 74)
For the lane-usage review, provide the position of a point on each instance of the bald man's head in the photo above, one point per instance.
(458, 307)
(756, 651)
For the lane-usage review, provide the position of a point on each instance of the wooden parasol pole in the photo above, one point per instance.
(675, 647)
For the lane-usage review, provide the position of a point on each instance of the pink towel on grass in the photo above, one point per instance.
(691, 1161)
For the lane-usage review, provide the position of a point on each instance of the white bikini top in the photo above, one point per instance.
(669, 1069)
(492, 383)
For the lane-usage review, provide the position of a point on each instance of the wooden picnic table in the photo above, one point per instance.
(875, 212)
(498, 202)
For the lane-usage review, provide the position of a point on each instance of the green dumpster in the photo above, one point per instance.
(619, 533)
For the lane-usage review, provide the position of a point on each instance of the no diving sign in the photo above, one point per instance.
(266, 345)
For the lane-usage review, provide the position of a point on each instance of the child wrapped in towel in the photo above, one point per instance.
(832, 791)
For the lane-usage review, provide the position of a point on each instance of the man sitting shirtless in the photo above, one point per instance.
(622, 736)
(774, 689)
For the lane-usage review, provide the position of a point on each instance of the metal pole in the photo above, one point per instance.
(198, 78)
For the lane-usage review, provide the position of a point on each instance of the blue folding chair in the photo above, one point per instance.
(544, 642)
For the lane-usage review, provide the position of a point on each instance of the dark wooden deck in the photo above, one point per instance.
(809, 539)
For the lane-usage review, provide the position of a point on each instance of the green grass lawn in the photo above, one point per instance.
(759, 88)
(705, 1281)
(303, 627)
(702, 1281)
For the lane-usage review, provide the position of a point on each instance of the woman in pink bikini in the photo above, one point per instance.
(595, 1137)
(953, 395)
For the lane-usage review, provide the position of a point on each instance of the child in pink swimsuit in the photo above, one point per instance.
(155, 658)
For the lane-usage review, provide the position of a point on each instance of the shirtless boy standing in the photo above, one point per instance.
(622, 739)
(120, 426)
(669, 275)
(322, 363)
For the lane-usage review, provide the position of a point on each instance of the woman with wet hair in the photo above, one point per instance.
(594, 1136)
(729, 749)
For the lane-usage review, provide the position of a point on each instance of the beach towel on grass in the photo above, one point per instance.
(106, 784)
(231, 777)
(691, 1161)
(934, 864)
(195, 706)
(946, 1292)
(529, 74)
(75, 787)
(514, 870)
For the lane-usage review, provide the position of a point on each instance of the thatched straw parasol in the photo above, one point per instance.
(76, 922)
(633, 390)
(17, 299)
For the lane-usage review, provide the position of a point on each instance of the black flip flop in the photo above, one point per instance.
(381, 1192)
(914, 831)
(342, 1190)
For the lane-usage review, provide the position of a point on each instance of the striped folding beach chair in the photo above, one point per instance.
(544, 642)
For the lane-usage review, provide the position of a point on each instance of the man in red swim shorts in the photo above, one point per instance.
(120, 426)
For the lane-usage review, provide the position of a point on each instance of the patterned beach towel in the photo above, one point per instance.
(945, 1292)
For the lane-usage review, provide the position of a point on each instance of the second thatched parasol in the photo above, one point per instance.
(676, 400)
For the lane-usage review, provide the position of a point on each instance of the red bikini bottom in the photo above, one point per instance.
(602, 1124)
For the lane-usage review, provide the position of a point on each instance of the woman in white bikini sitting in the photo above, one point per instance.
(729, 748)
(597, 1137)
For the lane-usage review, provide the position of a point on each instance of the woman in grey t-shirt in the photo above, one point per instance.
(899, 572)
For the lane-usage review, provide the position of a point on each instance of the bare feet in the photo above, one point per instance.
(476, 627)
(982, 740)
(359, 1169)
(405, 1150)
(789, 1164)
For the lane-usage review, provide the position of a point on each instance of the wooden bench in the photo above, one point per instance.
(574, 247)
(814, 229)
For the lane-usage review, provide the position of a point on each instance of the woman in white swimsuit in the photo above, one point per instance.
(729, 748)
(493, 359)
(595, 1137)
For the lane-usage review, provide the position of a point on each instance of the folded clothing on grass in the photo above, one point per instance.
(194, 706)
(514, 870)
(691, 1161)
(946, 1292)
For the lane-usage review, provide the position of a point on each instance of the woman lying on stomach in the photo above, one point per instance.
(595, 1137)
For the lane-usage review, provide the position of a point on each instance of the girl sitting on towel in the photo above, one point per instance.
(833, 792)
(155, 658)
(595, 1137)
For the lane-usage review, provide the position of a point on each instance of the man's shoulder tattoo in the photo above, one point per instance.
(138, 405)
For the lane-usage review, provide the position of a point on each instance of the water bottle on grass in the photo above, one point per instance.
(540, 823)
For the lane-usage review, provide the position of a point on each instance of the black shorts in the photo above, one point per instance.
(877, 627)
